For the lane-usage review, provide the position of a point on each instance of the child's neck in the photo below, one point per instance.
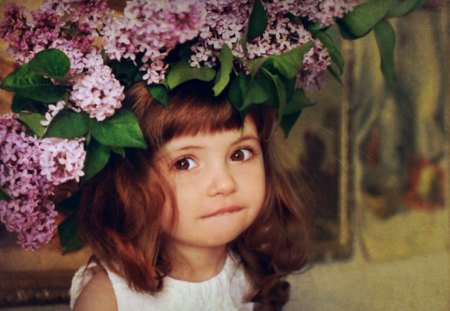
(196, 265)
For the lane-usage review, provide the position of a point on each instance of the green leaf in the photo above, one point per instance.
(120, 130)
(51, 63)
(333, 51)
(226, 65)
(254, 94)
(365, 16)
(33, 122)
(289, 63)
(290, 113)
(160, 93)
(30, 85)
(182, 72)
(280, 89)
(257, 22)
(336, 75)
(126, 72)
(237, 90)
(403, 7)
(96, 159)
(68, 124)
(3, 195)
(119, 150)
(68, 234)
(20, 103)
(385, 36)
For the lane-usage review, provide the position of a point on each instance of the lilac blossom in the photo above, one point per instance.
(61, 160)
(97, 92)
(71, 23)
(325, 11)
(151, 30)
(30, 169)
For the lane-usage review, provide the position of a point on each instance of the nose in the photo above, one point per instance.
(222, 181)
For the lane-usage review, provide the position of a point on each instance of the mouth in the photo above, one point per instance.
(223, 212)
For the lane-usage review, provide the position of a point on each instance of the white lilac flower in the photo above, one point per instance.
(53, 110)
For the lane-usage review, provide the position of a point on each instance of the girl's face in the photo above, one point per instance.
(219, 184)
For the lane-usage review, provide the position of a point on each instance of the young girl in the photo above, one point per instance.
(204, 219)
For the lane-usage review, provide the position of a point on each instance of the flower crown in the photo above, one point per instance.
(77, 58)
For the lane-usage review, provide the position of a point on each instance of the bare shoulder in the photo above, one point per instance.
(98, 294)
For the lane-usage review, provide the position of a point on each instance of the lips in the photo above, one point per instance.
(224, 211)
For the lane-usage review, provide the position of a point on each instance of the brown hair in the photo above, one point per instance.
(125, 200)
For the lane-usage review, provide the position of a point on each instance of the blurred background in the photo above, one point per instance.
(377, 162)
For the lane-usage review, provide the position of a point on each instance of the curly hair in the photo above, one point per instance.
(121, 207)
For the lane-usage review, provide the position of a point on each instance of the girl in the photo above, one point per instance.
(204, 219)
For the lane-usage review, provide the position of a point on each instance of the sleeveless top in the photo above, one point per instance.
(225, 291)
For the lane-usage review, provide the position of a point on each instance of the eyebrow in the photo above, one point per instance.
(237, 142)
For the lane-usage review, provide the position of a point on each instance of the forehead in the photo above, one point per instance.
(204, 138)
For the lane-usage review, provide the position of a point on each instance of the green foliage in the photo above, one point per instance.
(96, 158)
(226, 66)
(68, 234)
(20, 104)
(365, 16)
(68, 124)
(33, 122)
(373, 15)
(182, 72)
(385, 36)
(257, 22)
(125, 71)
(51, 63)
(3, 195)
(33, 86)
(159, 92)
(120, 130)
(403, 7)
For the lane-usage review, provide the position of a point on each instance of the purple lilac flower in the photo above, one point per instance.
(30, 169)
(152, 30)
(97, 92)
(61, 160)
(325, 11)
(227, 20)
(71, 23)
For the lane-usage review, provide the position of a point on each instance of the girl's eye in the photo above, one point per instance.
(185, 164)
(241, 155)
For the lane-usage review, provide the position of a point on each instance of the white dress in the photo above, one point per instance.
(225, 291)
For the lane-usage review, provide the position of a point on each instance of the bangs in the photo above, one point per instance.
(190, 112)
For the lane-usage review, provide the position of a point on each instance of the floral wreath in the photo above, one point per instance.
(76, 59)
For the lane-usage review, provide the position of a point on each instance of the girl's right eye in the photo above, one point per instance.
(185, 164)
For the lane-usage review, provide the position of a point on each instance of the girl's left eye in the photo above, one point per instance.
(241, 154)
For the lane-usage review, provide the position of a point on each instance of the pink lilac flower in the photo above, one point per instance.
(61, 160)
(97, 92)
(314, 67)
(325, 11)
(30, 169)
(72, 23)
(227, 21)
(151, 30)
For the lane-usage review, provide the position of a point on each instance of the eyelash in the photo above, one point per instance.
(191, 161)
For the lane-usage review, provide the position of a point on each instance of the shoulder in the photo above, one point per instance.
(97, 294)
